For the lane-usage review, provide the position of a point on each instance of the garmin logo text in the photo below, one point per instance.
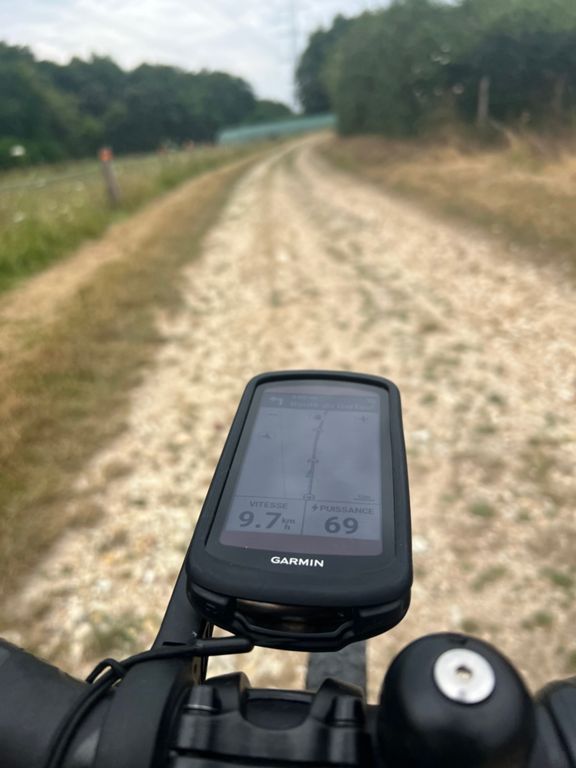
(305, 561)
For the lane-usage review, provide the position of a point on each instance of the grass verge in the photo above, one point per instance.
(523, 193)
(60, 208)
(68, 393)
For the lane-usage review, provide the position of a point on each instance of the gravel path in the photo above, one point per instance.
(309, 267)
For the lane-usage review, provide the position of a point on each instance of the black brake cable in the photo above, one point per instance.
(101, 681)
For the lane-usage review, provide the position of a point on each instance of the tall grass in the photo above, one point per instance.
(523, 192)
(62, 206)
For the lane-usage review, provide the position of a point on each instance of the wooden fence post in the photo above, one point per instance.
(483, 107)
(110, 181)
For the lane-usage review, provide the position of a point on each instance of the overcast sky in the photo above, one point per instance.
(250, 38)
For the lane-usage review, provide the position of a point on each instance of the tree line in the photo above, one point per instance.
(419, 63)
(54, 111)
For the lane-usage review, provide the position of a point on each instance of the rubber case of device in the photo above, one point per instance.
(244, 599)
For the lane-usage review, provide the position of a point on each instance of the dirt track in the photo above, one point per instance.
(312, 268)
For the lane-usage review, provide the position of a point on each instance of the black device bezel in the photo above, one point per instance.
(345, 581)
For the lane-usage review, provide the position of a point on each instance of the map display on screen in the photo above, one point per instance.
(312, 468)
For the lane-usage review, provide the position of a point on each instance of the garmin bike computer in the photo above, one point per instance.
(303, 541)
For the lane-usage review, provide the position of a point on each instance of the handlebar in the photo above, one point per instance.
(164, 713)
(447, 700)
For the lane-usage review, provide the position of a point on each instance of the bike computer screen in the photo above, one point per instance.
(303, 540)
(310, 477)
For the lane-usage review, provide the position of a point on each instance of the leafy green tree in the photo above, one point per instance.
(34, 113)
(389, 72)
(311, 72)
(267, 111)
(526, 49)
(420, 62)
(95, 84)
(164, 104)
(57, 111)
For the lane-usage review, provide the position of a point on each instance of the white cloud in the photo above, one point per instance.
(249, 38)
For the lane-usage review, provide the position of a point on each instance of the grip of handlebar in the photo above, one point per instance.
(556, 745)
(34, 699)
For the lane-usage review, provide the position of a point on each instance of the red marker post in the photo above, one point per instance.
(110, 182)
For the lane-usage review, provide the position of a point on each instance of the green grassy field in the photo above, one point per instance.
(46, 212)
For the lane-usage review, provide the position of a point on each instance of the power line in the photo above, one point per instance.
(318, 13)
(294, 35)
